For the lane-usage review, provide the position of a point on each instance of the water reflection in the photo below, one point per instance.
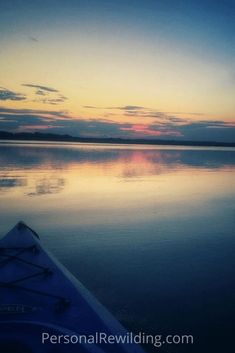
(156, 220)
(26, 155)
(48, 167)
(46, 185)
(11, 182)
(90, 185)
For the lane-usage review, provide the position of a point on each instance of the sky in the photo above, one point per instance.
(137, 69)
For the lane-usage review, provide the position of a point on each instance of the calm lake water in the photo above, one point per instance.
(149, 230)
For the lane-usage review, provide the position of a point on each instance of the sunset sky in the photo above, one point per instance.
(136, 69)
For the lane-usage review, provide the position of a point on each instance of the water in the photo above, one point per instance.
(149, 230)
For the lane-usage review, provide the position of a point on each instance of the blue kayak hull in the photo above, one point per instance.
(43, 308)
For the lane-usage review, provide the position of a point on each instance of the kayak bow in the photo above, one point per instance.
(45, 309)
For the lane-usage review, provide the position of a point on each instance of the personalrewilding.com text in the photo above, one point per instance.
(127, 338)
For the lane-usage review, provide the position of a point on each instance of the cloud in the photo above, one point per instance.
(137, 111)
(186, 113)
(53, 113)
(90, 107)
(40, 92)
(139, 130)
(6, 94)
(42, 88)
(60, 122)
(54, 101)
(31, 120)
(125, 107)
(209, 131)
(48, 95)
(129, 107)
(159, 116)
(57, 122)
(33, 39)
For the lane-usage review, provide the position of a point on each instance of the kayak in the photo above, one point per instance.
(45, 309)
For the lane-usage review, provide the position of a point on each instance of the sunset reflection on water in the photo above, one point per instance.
(88, 179)
(154, 219)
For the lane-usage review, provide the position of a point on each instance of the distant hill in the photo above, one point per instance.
(38, 136)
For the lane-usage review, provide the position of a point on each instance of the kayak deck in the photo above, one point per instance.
(39, 295)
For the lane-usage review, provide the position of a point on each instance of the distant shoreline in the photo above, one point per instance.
(38, 136)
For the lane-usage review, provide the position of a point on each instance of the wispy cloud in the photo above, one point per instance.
(33, 39)
(54, 101)
(136, 111)
(53, 113)
(46, 95)
(125, 107)
(6, 94)
(186, 113)
(128, 107)
(90, 107)
(43, 88)
(40, 92)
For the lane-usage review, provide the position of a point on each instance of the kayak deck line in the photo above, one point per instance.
(44, 271)
(29, 277)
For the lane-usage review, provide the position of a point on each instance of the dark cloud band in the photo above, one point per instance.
(62, 123)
